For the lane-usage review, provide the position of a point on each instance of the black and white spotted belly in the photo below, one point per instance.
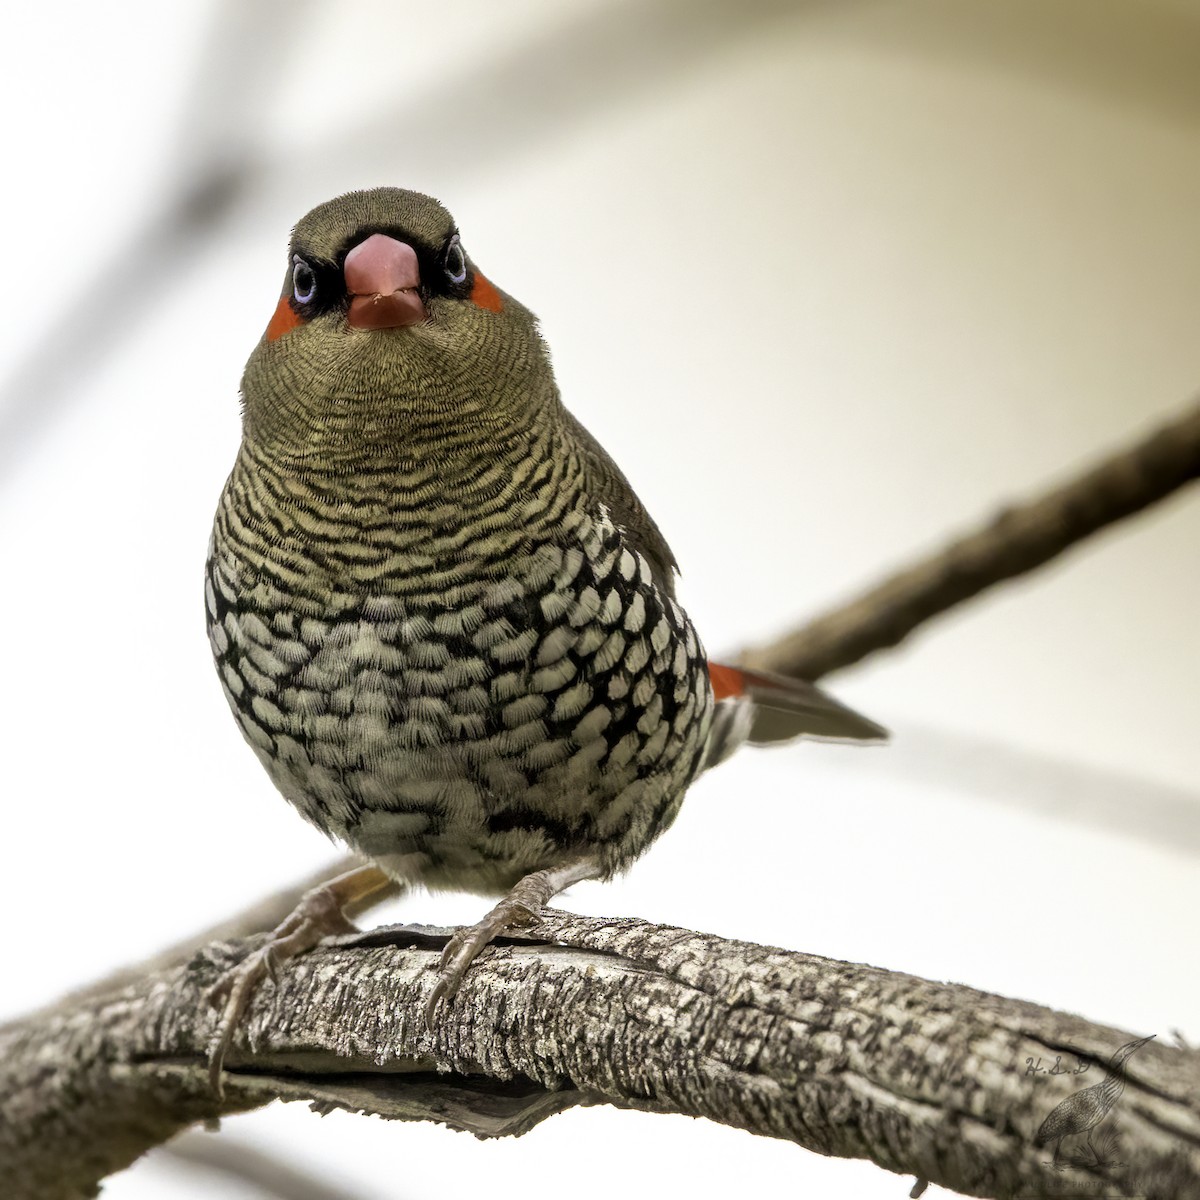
(463, 739)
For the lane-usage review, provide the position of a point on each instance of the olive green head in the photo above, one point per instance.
(387, 333)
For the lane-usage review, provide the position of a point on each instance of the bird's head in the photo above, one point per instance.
(386, 326)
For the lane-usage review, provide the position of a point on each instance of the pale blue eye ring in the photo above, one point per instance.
(304, 281)
(456, 261)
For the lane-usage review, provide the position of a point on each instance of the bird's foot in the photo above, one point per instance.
(518, 910)
(319, 914)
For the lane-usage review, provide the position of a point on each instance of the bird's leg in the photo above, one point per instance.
(520, 908)
(320, 913)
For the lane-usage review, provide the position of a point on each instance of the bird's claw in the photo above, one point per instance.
(318, 915)
(464, 947)
(232, 993)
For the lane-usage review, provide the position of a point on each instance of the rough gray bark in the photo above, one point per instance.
(922, 1078)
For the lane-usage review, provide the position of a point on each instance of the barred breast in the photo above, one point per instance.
(463, 714)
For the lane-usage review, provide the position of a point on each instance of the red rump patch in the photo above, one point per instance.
(727, 682)
(485, 295)
(284, 320)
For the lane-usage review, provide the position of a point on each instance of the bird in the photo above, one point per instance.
(443, 619)
(1084, 1110)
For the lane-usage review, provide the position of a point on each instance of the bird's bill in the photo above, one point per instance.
(383, 279)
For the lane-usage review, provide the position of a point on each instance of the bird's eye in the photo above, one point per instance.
(456, 261)
(304, 282)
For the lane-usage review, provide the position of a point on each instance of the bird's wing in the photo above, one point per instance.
(606, 482)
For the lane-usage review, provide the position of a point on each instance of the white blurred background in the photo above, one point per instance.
(829, 280)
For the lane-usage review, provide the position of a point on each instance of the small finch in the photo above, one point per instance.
(443, 620)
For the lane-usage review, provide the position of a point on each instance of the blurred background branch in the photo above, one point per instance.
(635, 48)
(214, 161)
(636, 51)
(1021, 538)
(213, 1161)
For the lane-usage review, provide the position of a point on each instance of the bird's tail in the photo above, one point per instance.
(762, 708)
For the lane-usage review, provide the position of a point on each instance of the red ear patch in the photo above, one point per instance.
(284, 320)
(486, 296)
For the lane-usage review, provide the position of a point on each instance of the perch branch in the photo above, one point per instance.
(923, 1078)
